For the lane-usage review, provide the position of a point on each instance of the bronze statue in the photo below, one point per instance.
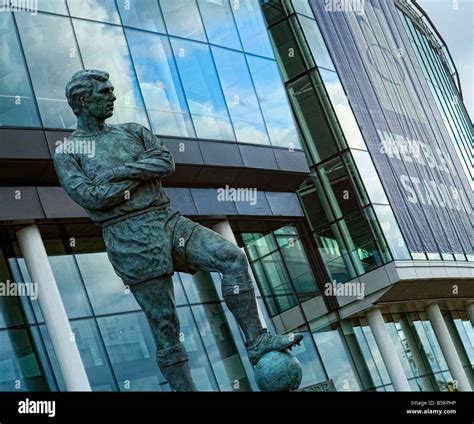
(146, 240)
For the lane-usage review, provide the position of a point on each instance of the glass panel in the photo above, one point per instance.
(219, 23)
(365, 240)
(343, 110)
(11, 312)
(334, 255)
(316, 42)
(199, 287)
(274, 103)
(259, 244)
(104, 47)
(92, 353)
(180, 297)
(20, 369)
(51, 50)
(252, 28)
(159, 83)
(143, 14)
(183, 19)
(240, 96)
(313, 208)
(279, 280)
(313, 371)
(69, 284)
(298, 266)
(303, 7)
(95, 10)
(371, 356)
(106, 290)
(203, 92)
(54, 6)
(466, 334)
(287, 50)
(392, 233)
(220, 347)
(200, 368)
(339, 187)
(131, 350)
(369, 176)
(311, 117)
(336, 360)
(277, 296)
(17, 106)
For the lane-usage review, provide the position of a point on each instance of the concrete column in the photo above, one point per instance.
(225, 230)
(52, 307)
(470, 312)
(447, 346)
(388, 352)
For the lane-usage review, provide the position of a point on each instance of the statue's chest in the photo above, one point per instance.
(103, 155)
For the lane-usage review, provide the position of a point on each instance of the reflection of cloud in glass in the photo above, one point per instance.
(219, 23)
(336, 360)
(52, 54)
(96, 269)
(14, 84)
(159, 82)
(201, 85)
(97, 10)
(104, 47)
(252, 28)
(183, 19)
(274, 102)
(240, 96)
(342, 108)
(369, 177)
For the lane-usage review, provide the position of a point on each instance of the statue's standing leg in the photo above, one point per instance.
(156, 298)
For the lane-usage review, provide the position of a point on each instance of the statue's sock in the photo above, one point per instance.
(244, 308)
(179, 376)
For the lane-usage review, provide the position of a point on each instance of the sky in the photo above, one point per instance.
(454, 20)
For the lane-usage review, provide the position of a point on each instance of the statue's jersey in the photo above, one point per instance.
(137, 158)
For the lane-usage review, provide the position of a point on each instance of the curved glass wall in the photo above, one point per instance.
(186, 68)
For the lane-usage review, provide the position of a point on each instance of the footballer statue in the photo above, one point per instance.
(146, 240)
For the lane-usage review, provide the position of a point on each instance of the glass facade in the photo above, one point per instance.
(118, 350)
(206, 69)
(187, 68)
(343, 200)
(112, 333)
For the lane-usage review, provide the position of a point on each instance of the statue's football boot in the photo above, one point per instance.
(267, 342)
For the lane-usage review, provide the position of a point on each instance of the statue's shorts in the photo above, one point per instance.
(149, 245)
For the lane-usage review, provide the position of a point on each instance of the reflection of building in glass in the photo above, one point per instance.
(220, 85)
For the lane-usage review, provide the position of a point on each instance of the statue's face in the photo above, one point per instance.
(100, 104)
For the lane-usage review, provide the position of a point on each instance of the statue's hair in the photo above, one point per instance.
(80, 84)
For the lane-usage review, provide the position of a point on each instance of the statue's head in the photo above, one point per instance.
(90, 93)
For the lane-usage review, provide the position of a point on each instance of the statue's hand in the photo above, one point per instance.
(104, 177)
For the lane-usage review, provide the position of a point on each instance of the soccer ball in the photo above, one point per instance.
(278, 372)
